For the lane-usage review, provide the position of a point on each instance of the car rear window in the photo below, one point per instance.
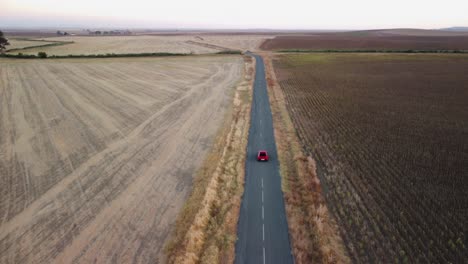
(262, 154)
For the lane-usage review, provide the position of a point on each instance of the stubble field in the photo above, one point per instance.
(235, 41)
(87, 45)
(24, 43)
(97, 156)
(390, 137)
(186, 44)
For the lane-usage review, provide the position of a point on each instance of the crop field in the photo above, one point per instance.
(122, 44)
(97, 157)
(390, 137)
(235, 42)
(369, 40)
(24, 43)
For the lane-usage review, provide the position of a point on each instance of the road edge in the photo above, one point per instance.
(206, 228)
(313, 232)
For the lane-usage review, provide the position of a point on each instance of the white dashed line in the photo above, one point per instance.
(262, 183)
(263, 228)
(263, 255)
(262, 196)
(263, 213)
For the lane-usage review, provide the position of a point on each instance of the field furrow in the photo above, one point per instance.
(387, 134)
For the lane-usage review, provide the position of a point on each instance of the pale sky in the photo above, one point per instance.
(290, 14)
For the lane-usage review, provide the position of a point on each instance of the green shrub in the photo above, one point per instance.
(42, 55)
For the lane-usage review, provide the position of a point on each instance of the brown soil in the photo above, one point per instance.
(388, 133)
(367, 41)
(97, 156)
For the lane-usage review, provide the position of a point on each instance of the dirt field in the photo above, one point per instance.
(388, 133)
(123, 44)
(372, 40)
(98, 156)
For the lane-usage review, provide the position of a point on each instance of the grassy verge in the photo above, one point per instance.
(314, 234)
(206, 229)
(368, 51)
(230, 52)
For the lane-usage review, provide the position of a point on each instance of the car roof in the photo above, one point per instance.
(262, 151)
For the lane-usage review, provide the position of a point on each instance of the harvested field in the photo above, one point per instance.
(123, 44)
(389, 134)
(368, 40)
(98, 156)
(24, 43)
(206, 229)
(235, 42)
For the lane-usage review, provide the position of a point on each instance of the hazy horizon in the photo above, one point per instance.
(208, 14)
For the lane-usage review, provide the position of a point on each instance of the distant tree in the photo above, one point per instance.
(3, 42)
(42, 55)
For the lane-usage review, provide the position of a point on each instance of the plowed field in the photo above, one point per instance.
(390, 137)
(366, 41)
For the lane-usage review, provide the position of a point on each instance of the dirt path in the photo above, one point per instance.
(119, 203)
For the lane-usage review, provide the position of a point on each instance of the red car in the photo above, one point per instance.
(262, 155)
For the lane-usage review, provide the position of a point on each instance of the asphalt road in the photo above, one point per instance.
(263, 229)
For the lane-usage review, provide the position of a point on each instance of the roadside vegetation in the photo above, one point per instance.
(206, 228)
(43, 55)
(314, 235)
(230, 52)
(388, 134)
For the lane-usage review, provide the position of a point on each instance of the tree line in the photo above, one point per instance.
(3, 42)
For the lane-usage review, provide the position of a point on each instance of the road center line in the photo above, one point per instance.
(263, 228)
(262, 196)
(263, 255)
(263, 213)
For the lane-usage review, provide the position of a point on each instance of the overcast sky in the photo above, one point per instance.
(290, 14)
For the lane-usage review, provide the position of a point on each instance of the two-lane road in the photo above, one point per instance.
(263, 229)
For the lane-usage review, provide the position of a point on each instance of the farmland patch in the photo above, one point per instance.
(389, 134)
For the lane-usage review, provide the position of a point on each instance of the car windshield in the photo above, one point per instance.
(262, 154)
